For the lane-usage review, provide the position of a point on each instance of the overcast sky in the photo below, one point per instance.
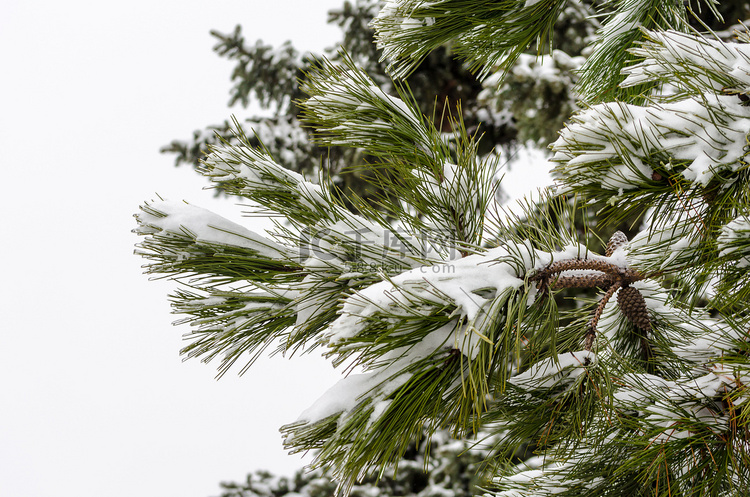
(94, 398)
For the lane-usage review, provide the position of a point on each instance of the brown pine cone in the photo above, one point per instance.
(587, 281)
(633, 306)
(617, 240)
(573, 264)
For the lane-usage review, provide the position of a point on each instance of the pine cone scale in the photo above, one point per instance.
(617, 240)
(633, 307)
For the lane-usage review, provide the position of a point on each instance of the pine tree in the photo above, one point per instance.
(450, 316)
(450, 470)
(529, 107)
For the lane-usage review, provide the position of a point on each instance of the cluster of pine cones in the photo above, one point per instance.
(604, 274)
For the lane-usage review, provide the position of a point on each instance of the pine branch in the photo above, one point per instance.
(187, 241)
(445, 182)
(231, 324)
(269, 74)
(486, 33)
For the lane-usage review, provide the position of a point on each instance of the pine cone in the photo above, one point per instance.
(617, 240)
(588, 281)
(633, 306)
(573, 264)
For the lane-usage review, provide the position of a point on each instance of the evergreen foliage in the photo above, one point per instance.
(451, 469)
(446, 311)
(273, 77)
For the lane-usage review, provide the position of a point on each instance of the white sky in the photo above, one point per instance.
(94, 397)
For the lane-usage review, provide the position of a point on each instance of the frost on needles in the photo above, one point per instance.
(446, 311)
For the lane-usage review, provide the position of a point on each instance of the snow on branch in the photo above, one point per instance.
(348, 109)
(622, 28)
(251, 172)
(734, 257)
(442, 179)
(673, 410)
(181, 218)
(618, 146)
(232, 325)
(734, 241)
(485, 33)
(184, 239)
(691, 63)
(563, 368)
(469, 286)
(532, 477)
(431, 335)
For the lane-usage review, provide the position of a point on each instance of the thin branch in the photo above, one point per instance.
(591, 331)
